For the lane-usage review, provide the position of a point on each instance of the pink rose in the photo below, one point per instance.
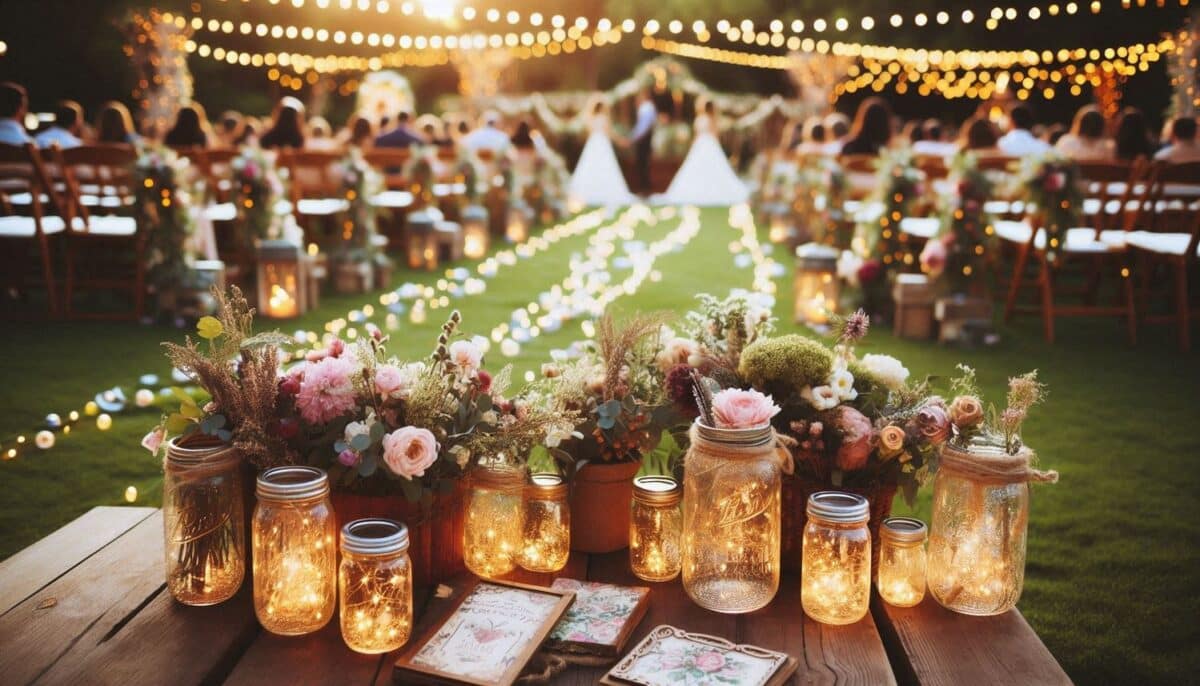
(389, 382)
(327, 391)
(933, 257)
(966, 411)
(933, 424)
(857, 438)
(409, 451)
(466, 356)
(737, 409)
(710, 662)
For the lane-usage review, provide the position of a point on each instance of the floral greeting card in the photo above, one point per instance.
(671, 657)
(600, 620)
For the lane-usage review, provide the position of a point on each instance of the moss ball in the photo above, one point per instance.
(786, 363)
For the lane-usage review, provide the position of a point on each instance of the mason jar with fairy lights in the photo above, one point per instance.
(546, 543)
(901, 580)
(655, 526)
(295, 551)
(375, 586)
(493, 530)
(835, 572)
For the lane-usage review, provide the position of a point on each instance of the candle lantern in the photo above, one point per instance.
(203, 521)
(781, 229)
(547, 525)
(816, 286)
(282, 288)
(655, 524)
(449, 241)
(516, 230)
(420, 231)
(977, 533)
(295, 551)
(475, 232)
(375, 586)
(492, 534)
(835, 572)
(902, 561)
(731, 518)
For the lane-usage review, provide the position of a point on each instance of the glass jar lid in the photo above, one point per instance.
(292, 483)
(838, 507)
(374, 537)
(903, 530)
(546, 486)
(656, 490)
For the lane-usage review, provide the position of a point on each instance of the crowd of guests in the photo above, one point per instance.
(1089, 137)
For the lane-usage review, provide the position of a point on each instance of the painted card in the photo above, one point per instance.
(671, 657)
(602, 614)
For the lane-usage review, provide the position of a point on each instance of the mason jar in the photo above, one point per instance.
(731, 518)
(492, 532)
(295, 551)
(835, 573)
(655, 524)
(375, 585)
(204, 528)
(546, 537)
(977, 533)
(901, 579)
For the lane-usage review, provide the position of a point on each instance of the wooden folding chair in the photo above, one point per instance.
(22, 172)
(398, 196)
(104, 233)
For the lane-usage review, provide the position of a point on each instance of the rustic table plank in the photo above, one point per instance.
(852, 654)
(318, 658)
(940, 647)
(41, 563)
(74, 613)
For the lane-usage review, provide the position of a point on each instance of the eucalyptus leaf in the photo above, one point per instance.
(360, 442)
(225, 434)
(377, 430)
(368, 465)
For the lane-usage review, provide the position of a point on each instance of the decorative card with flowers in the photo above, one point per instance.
(601, 618)
(671, 657)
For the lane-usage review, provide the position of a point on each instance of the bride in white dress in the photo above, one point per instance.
(597, 179)
(706, 178)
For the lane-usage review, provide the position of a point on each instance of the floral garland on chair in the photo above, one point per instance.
(164, 188)
(898, 188)
(958, 256)
(1051, 184)
(258, 186)
(360, 182)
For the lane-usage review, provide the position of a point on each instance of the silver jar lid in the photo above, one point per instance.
(903, 530)
(741, 438)
(292, 483)
(656, 490)
(374, 536)
(546, 486)
(839, 507)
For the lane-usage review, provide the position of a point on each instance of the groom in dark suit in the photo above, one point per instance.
(642, 137)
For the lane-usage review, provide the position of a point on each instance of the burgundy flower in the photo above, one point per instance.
(679, 390)
(857, 438)
(484, 379)
(870, 271)
(933, 424)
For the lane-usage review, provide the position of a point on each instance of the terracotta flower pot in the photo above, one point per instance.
(601, 494)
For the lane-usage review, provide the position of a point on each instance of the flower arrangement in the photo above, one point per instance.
(898, 187)
(1051, 184)
(961, 249)
(258, 186)
(360, 182)
(971, 424)
(164, 185)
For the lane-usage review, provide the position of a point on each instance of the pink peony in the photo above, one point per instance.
(389, 382)
(710, 662)
(857, 438)
(737, 409)
(327, 391)
(409, 451)
(933, 257)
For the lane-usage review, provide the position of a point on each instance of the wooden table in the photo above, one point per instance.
(88, 604)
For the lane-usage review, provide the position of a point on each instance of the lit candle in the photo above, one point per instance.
(902, 561)
(654, 530)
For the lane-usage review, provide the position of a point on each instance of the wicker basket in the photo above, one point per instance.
(797, 488)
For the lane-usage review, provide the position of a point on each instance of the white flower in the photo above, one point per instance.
(820, 397)
(887, 369)
(676, 351)
(842, 382)
(466, 356)
(364, 427)
(555, 435)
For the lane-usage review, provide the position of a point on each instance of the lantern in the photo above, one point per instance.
(475, 232)
(781, 229)
(655, 526)
(835, 573)
(282, 289)
(547, 527)
(516, 230)
(375, 586)
(422, 243)
(816, 283)
(902, 561)
(492, 533)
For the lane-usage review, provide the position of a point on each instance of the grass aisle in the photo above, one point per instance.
(1113, 577)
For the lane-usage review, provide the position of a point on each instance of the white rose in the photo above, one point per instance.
(887, 369)
(820, 397)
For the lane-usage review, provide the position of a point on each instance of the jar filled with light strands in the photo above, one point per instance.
(204, 527)
(295, 551)
(731, 517)
(978, 528)
(546, 540)
(375, 586)
(655, 527)
(901, 579)
(835, 574)
(493, 530)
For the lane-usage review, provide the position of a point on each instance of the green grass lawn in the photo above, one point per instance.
(1113, 579)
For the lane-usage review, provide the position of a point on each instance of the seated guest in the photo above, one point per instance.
(522, 138)
(978, 136)
(229, 129)
(837, 126)
(488, 136)
(1182, 146)
(931, 143)
(115, 125)
(432, 130)
(912, 132)
(813, 137)
(1086, 141)
(67, 129)
(1054, 133)
(401, 136)
(190, 129)
(872, 129)
(287, 131)
(1132, 137)
(359, 133)
(251, 129)
(1019, 139)
(14, 103)
(320, 136)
